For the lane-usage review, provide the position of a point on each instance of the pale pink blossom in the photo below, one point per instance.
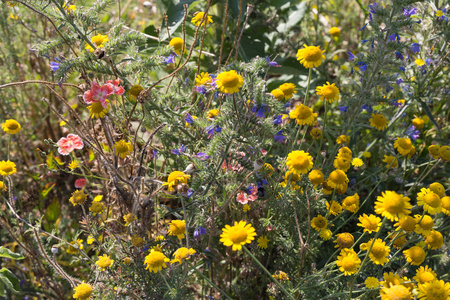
(69, 143)
(98, 93)
(242, 197)
(118, 90)
(80, 182)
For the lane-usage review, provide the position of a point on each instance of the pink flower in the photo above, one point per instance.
(99, 93)
(118, 90)
(80, 182)
(242, 197)
(263, 152)
(69, 143)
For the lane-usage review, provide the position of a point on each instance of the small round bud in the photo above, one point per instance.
(54, 250)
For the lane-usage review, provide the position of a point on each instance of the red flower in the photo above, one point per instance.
(69, 143)
(118, 90)
(98, 93)
(80, 182)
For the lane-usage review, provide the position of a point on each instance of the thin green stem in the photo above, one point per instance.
(282, 288)
(209, 281)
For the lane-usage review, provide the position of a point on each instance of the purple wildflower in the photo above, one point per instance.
(415, 47)
(279, 137)
(343, 108)
(413, 133)
(278, 120)
(202, 156)
(200, 231)
(408, 12)
(169, 59)
(54, 66)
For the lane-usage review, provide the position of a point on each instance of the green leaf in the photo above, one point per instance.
(10, 280)
(47, 189)
(175, 15)
(91, 155)
(429, 114)
(5, 252)
(53, 211)
(234, 5)
(294, 18)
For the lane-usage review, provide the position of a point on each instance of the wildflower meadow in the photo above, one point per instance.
(233, 149)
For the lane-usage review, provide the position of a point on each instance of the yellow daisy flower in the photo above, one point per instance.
(334, 208)
(444, 153)
(229, 82)
(434, 290)
(418, 123)
(202, 79)
(78, 197)
(310, 56)
(396, 292)
(96, 109)
(212, 113)
(335, 32)
(430, 200)
(175, 178)
(303, 115)
(11, 126)
(403, 146)
(342, 163)
(371, 283)
(155, 261)
(437, 188)
(344, 240)
(123, 149)
(319, 223)
(392, 205)
(7, 168)
(129, 218)
(329, 92)
(415, 255)
(288, 90)
(177, 228)
(407, 223)
(316, 177)
(434, 151)
(445, 203)
(198, 17)
(238, 235)
(348, 262)
(277, 94)
(343, 139)
(378, 121)
(316, 133)
(98, 40)
(379, 252)
(391, 161)
(177, 44)
(434, 240)
(181, 254)
(338, 179)
(425, 226)
(299, 162)
(104, 262)
(262, 242)
(357, 162)
(370, 223)
(83, 291)
(325, 234)
(424, 274)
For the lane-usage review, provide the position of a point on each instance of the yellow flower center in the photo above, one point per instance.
(432, 199)
(378, 250)
(238, 235)
(407, 223)
(121, 147)
(416, 254)
(7, 168)
(312, 54)
(229, 80)
(348, 263)
(426, 276)
(300, 162)
(394, 204)
(397, 292)
(304, 112)
(337, 177)
(405, 143)
(12, 126)
(427, 223)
